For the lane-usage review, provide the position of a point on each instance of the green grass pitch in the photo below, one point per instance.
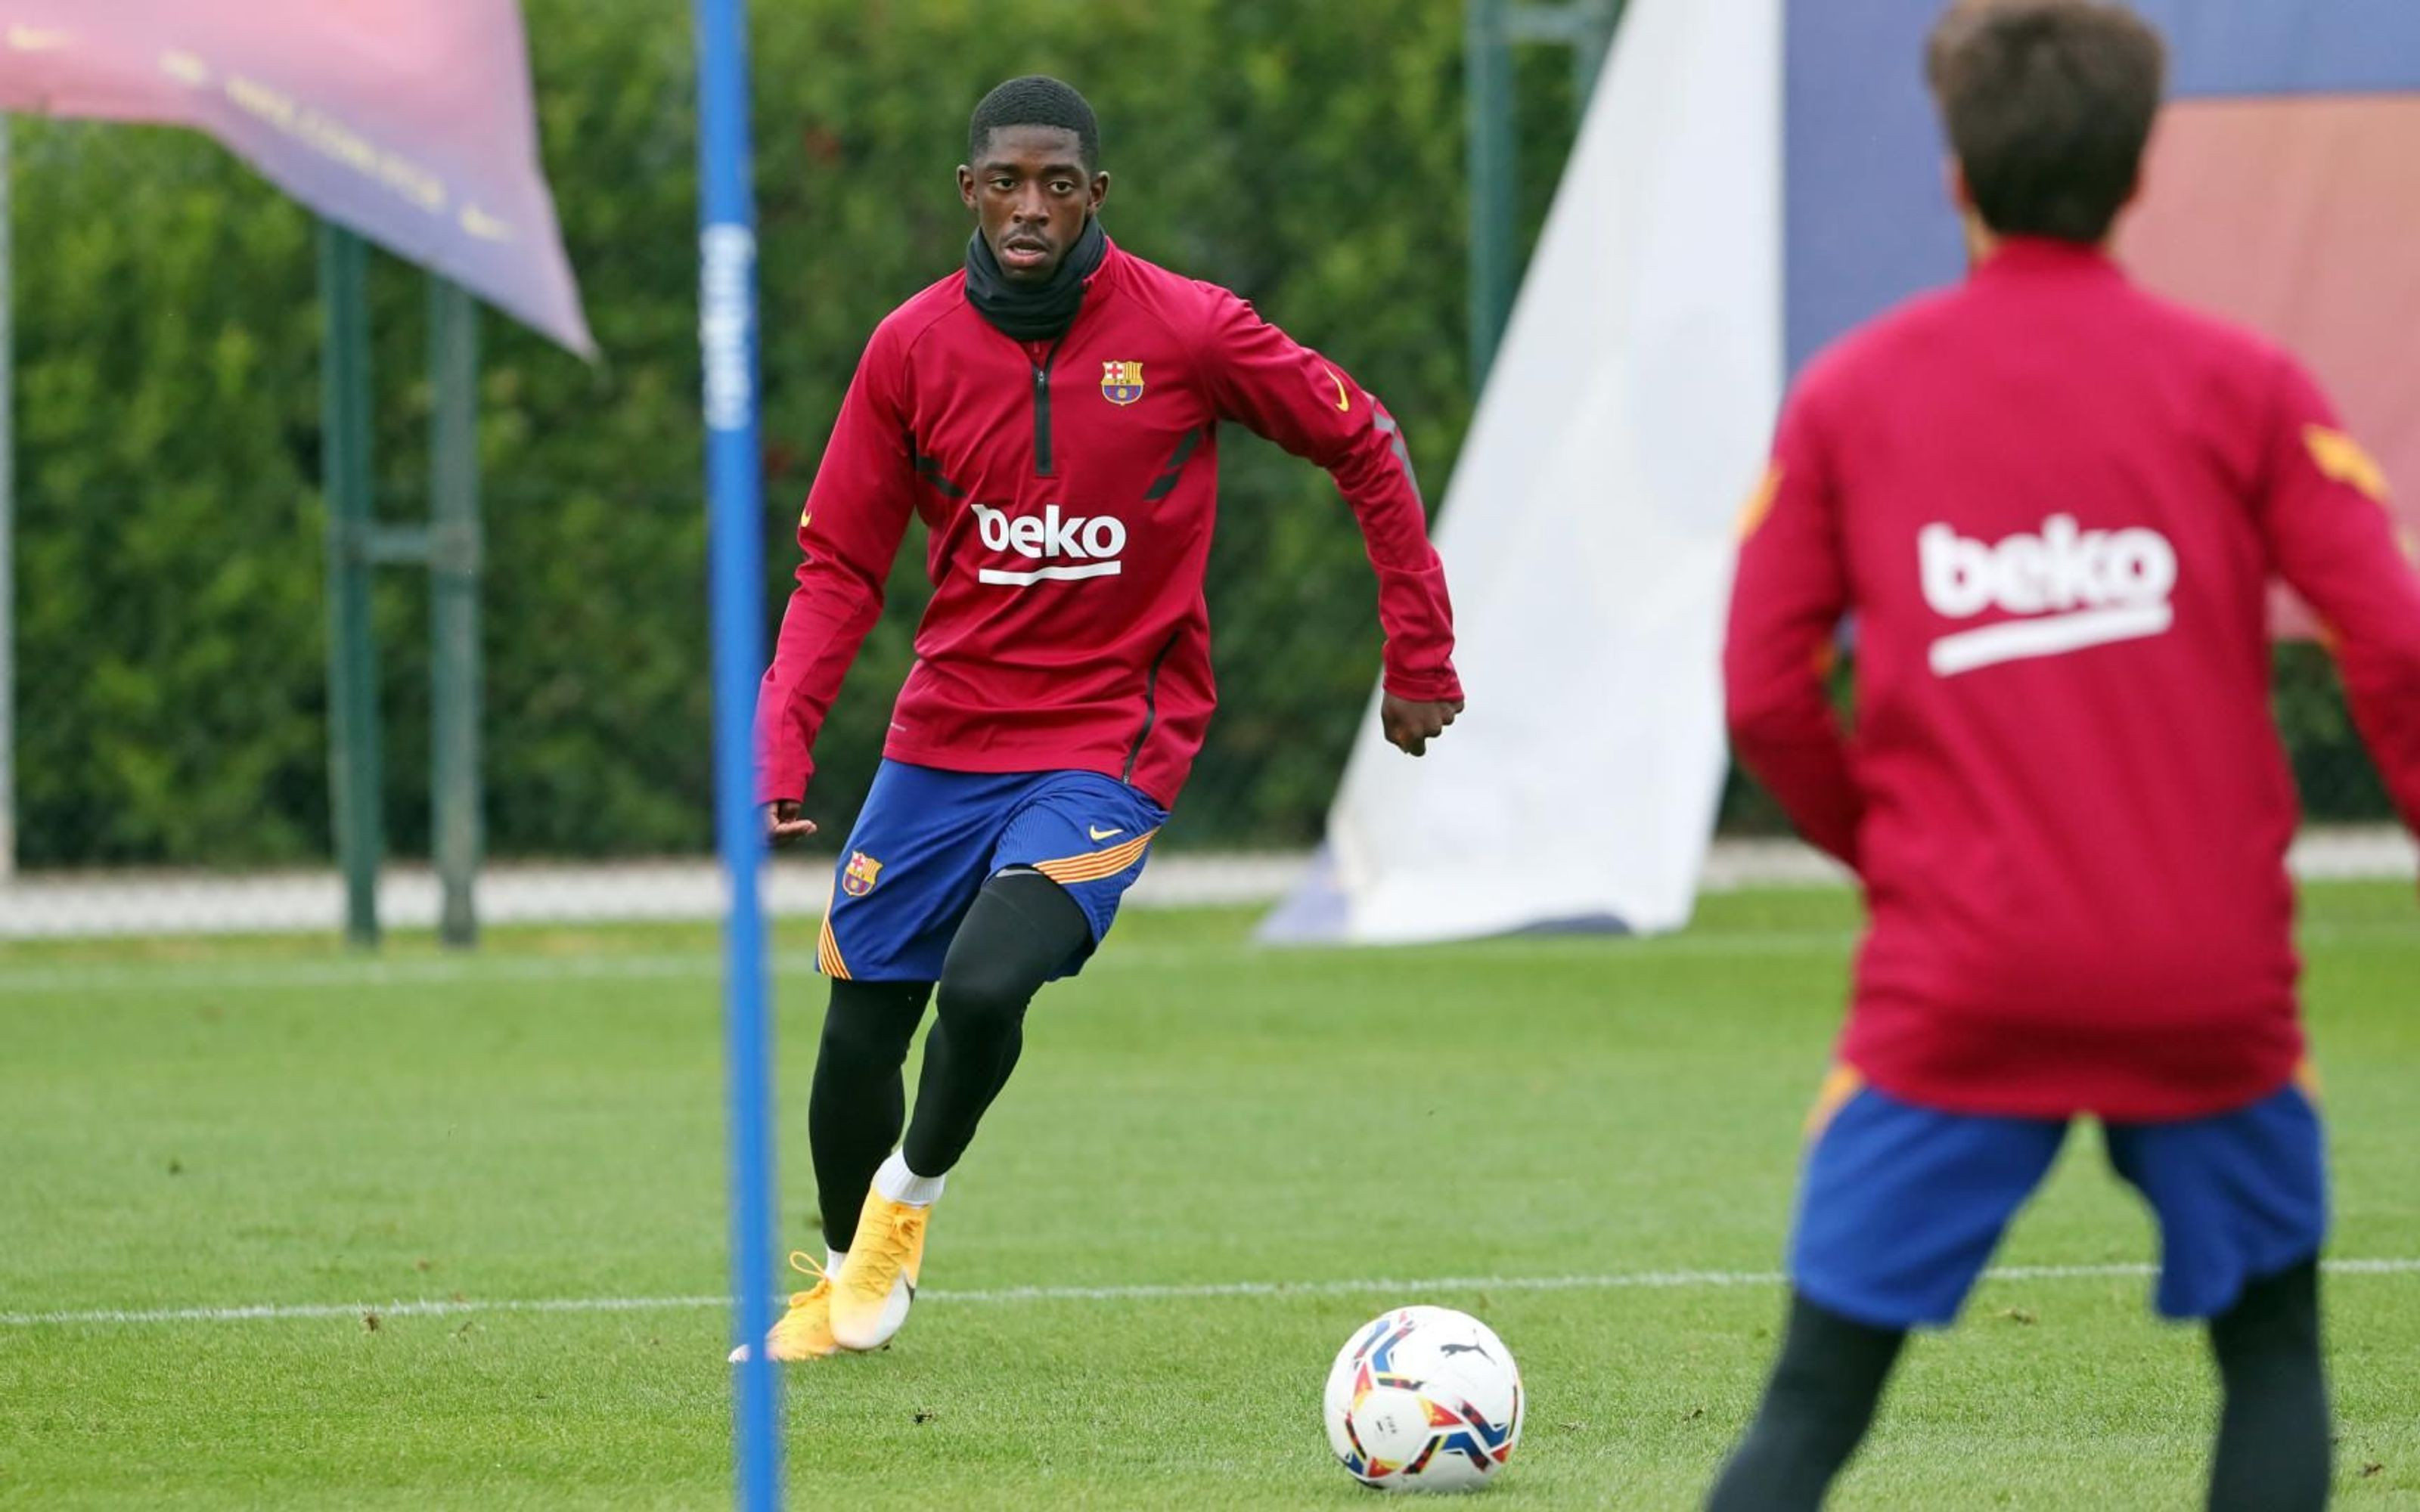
(269, 1125)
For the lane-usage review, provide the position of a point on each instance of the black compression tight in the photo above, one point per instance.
(1023, 929)
(2273, 1432)
(1815, 1410)
(859, 1103)
(2271, 1455)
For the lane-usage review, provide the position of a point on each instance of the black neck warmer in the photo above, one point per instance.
(1033, 312)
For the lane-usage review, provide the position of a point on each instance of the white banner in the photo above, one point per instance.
(1588, 531)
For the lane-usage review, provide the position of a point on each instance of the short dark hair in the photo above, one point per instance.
(2048, 103)
(1036, 99)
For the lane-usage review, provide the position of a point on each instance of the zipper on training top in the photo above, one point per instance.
(1041, 411)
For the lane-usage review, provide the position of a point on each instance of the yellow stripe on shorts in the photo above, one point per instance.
(1839, 1084)
(1094, 865)
(827, 954)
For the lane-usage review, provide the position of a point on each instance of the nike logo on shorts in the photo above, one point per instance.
(1099, 835)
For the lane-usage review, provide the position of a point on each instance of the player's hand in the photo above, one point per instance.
(785, 824)
(1412, 723)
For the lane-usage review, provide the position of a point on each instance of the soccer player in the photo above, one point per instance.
(2051, 505)
(1051, 413)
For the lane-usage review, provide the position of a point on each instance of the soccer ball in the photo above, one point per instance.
(1424, 1399)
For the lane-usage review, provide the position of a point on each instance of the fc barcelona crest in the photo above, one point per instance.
(1122, 383)
(863, 874)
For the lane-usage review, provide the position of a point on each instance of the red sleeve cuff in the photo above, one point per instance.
(1426, 687)
(777, 779)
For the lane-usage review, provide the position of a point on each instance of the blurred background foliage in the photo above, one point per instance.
(170, 560)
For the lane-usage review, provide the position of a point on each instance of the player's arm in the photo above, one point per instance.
(2330, 534)
(849, 534)
(1787, 600)
(1306, 404)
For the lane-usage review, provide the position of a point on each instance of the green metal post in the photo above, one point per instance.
(454, 604)
(8, 526)
(1589, 48)
(1487, 82)
(1490, 27)
(353, 656)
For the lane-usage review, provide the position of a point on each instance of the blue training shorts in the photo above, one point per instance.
(927, 839)
(1900, 1207)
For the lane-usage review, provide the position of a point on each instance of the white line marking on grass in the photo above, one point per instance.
(1618, 1281)
(279, 1312)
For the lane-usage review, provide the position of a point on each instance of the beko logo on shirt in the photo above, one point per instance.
(2077, 588)
(1089, 547)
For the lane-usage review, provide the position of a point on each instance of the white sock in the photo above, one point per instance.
(897, 1183)
(834, 1260)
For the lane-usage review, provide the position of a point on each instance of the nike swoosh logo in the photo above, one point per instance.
(1100, 834)
(1342, 400)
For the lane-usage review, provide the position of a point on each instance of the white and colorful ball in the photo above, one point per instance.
(1424, 1399)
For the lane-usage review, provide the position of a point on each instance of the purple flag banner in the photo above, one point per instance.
(408, 121)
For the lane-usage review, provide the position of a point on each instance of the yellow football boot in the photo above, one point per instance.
(803, 1333)
(878, 1281)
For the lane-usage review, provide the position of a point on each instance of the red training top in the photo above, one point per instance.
(2052, 504)
(1069, 489)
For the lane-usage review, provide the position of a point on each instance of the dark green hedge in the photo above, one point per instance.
(169, 541)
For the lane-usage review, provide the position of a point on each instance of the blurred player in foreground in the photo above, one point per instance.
(2052, 504)
(1051, 413)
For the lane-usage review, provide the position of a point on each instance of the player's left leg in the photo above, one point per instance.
(1900, 1208)
(1022, 931)
(1064, 860)
(2274, 1433)
(2242, 1200)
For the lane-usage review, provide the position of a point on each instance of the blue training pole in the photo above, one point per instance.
(727, 330)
